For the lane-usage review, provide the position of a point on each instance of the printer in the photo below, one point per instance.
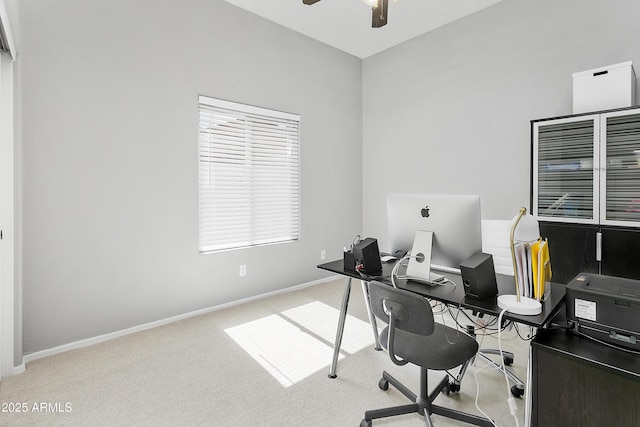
(606, 308)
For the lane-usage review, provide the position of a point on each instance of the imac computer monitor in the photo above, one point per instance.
(453, 219)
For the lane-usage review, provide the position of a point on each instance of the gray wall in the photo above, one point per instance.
(14, 20)
(109, 173)
(109, 158)
(450, 111)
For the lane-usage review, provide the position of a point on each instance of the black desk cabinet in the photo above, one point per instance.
(585, 179)
(578, 382)
(573, 250)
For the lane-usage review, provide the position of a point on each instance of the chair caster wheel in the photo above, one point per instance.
(384, 385)
(365, 423)
(447, 389)
(454, 387)
(508, 361)
(517, 391)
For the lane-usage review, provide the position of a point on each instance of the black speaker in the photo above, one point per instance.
(479, 276)
(367, 256)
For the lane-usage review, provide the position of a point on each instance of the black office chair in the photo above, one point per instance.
(412, 336)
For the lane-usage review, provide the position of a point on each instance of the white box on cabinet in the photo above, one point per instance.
(609, 87)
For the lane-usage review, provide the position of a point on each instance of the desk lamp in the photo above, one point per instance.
(525, 228)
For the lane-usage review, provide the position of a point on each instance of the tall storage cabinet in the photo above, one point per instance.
(586, 191)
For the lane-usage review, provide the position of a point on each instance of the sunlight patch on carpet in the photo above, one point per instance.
(322, 320)
(298, 342)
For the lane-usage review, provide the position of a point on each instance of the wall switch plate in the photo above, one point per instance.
(323, 254)
(243, 270)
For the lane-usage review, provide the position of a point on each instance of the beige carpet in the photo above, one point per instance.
(263, 363)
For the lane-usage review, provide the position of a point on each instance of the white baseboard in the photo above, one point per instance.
(19, 369)
(106, 337)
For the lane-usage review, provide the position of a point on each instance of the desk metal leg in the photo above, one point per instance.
(372, 318)
(529, 389)
(343, 316)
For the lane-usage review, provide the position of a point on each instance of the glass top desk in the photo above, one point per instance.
(446, 294)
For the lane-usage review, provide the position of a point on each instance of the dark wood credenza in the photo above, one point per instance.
(579, 382)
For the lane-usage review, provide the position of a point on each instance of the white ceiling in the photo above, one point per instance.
(346, 24)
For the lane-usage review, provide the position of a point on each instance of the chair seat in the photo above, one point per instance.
(439, 353)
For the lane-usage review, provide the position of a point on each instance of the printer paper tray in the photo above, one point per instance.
(615, 336)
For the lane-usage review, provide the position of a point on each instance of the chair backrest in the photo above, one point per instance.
(495, 241)
(411, 312)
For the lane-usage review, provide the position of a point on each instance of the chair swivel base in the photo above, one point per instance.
(423, 403)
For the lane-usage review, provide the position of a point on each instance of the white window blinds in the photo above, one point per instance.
(249, 175)
(565, 169)
(623, 168)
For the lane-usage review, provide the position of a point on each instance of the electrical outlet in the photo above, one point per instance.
(243, 270)
(323, 254)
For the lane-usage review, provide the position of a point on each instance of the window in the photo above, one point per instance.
(249, 175)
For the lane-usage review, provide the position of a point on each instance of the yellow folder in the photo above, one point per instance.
(535, 266)
(541, 267)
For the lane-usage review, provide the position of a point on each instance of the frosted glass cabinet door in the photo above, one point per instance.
(565, 169)
(620, 168)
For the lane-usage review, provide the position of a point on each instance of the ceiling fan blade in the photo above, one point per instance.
(379, 14)
(310, 1)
